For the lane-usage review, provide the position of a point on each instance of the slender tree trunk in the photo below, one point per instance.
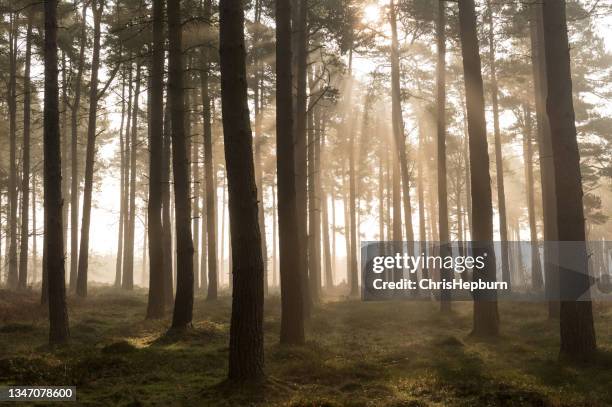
(156, 304)
(35, 233)
(327, 258)
(547, 178)
(223, 232)
(13, 277)
(183, 304)
(74, 155)
(25, 182)
(166, 213)
(211, 190)
(120, 228)
(300, 47)
(54, 244)
(90, 155)
(536, 267)
(314, 214)
(195, 217)
(65, 148)
(466, 160)
(499, 160)
(347, 223)
(333, 211)
(291, 262)
(353, 274)
(1, 258)
(421, 199)
(143, 264)
(577, 330)
(398, 126)
(445, 273)
(246, 329)
(258, 102)
(127, 280)
(486, 317)
(274, 238)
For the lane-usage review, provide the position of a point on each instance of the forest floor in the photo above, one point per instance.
(357, 354)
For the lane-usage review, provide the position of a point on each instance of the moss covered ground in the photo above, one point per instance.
(357, 354)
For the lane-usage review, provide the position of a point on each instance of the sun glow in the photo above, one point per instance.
(371, 13)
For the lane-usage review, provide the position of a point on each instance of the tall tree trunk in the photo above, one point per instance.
(274, 239)
(291, 264)
(223, 231)
(25, 182)
(398, 125)
(536, 267)
(353, 273)
(156, 304)
(195, 217)
(54, 244)
(183, 304)
(211, 189)
(466, 160)
(90, 154)
(499, 160)
(445, 273)
(143, 264)
(397, 202)
(65, 148)
(327, 258)
(246, 329)
(421, 199)
(258, 102)
(121, 227)
(74, 155)
(347, 222)
(35, 232)
(300, 48)
(13, 278)
(547, 170)
(166, 213)
(577, 330)
(1, 259)
(127, 279)
(486, 317)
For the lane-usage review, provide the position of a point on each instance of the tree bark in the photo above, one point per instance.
(499, 160)
(65, 151)
(445, 273)
(25, 182)
(300, 48)
(398, 125)
(166, 213)
(246, 329)
(258, 103)
(90, 155)
(536, 267)
(486, 317)
(183, 304)
(156, 304)
(210, 187)
(54, 244)
(127, 279)
(576, 317)
(13, 277)
(292, 321)
(74, 155)
(121, 227)
(547, 170)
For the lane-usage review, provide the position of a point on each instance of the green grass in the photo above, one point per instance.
(357, 354)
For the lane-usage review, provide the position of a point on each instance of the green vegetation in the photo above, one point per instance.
(357, 354)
